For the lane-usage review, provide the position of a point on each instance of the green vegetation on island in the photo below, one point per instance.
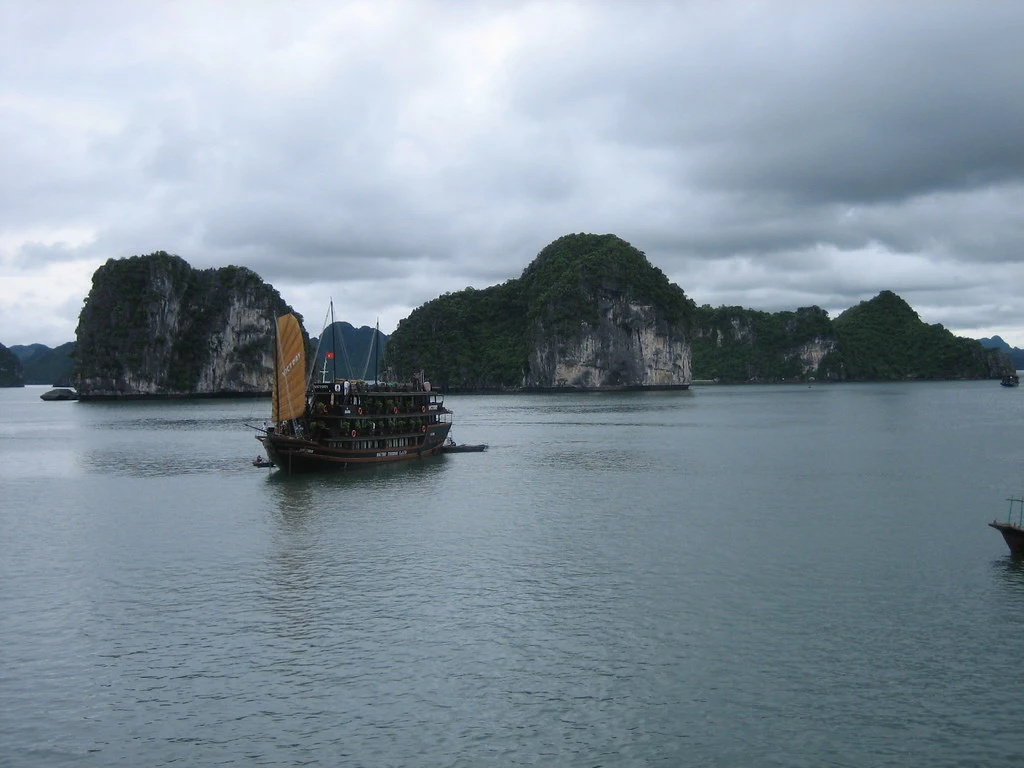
(470, 339)
(884, 339)
(483, 339)
(734, 344)
(561, 285)
(153, 325)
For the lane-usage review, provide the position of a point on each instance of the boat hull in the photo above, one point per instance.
(295, 454)
(1013, 535)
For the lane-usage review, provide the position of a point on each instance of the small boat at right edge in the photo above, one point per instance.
(1010, 380)
(1013, 528)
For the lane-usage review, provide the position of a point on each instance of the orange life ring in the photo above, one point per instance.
(423, 409)
(360, 411)
(395, 409)
(423, 428)
(353, 433)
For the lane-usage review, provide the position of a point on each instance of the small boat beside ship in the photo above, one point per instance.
(341, 423)
(450, 446)
(1010, 380)
(1013, 528)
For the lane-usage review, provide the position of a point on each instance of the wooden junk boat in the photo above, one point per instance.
(1013, 528)
(340, 423)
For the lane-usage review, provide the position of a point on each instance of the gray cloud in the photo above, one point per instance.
(764, 155)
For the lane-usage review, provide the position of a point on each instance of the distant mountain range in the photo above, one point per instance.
(42, 365)
(354, 355)
(1016, 355)
(352, 347)
(353, 358)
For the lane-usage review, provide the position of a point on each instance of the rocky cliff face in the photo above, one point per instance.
(153, 326)
(629, 346)
(813, 353)
(804, 360)
(736, 344)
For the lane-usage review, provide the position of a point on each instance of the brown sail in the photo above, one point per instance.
(290, 373)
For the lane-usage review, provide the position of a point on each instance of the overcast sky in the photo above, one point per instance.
(771, 155)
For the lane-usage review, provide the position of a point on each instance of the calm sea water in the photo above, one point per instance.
(734, 576)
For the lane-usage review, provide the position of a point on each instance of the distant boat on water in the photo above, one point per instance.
(1013, 528)
(1010, 380)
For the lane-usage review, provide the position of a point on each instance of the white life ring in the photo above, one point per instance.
(337, 387)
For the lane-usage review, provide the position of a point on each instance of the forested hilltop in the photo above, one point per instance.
(882, 339)
(497, 337)
(589, 312)
(152, 326)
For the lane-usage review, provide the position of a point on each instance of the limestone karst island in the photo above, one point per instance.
(589, 312)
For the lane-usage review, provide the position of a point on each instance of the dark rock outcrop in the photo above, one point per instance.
(59, 394)
(152, 326)
(601, 316)
(11, 374)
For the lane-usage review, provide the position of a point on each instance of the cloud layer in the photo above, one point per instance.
(768, 155)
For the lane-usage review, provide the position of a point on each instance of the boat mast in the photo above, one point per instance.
(334, 349)
(275, 408)
(376, 350)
